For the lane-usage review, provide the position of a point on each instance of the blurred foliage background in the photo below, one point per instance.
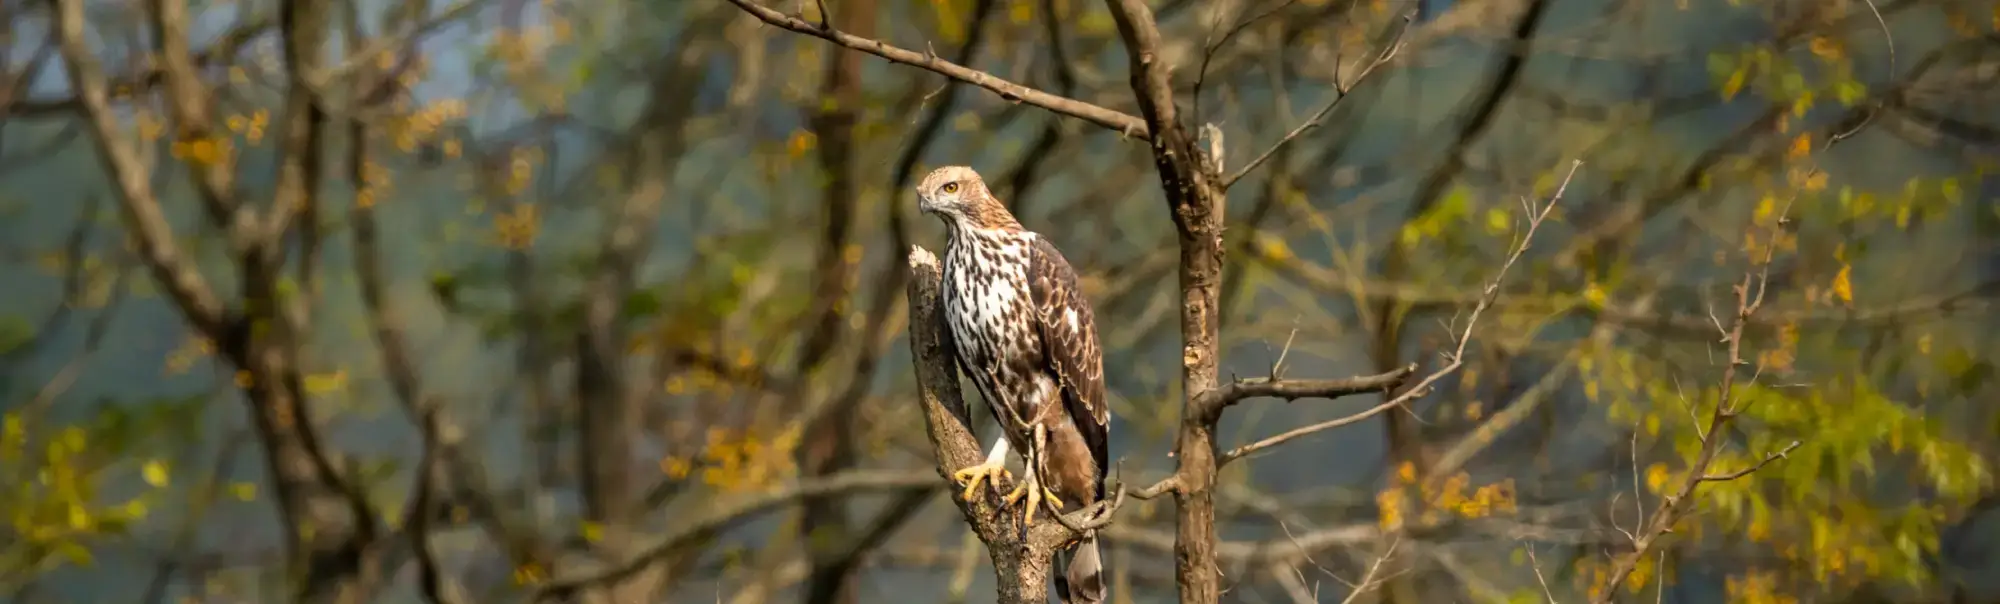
(564, 286)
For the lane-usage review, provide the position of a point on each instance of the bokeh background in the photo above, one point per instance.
(640, 264)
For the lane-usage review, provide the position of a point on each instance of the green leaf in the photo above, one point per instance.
(155, 473)
(14, 332)
(641, 304)
(1850, 92)
(75, 553)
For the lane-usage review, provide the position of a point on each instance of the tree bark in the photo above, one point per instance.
(1196, 200)
(1021, 559)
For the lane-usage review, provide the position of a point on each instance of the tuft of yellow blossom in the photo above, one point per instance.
(423, 125)
(739, 460)
(183, 358)
(1454, 496)
(516, 228)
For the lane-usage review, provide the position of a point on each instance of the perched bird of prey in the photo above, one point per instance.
(1023, 331)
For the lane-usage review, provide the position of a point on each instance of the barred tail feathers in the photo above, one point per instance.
(1080, 574)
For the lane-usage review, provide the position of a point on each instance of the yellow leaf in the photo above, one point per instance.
(1596, 295)
(1411, 235)
(1021, 13)
(155, 473)
(76, 553)
(1656, 476)
(592, 531)
(1843, 284)
(528, 573)
(965, 122)
(326, 383)
(1816, 182)
(1735, 84)
(243, 491)
(1801, 147)
(1497, 221)
(1275, 248)
(79, 518)
(950, 26)
(1389, 502)
(1924, 344)
(801, 142)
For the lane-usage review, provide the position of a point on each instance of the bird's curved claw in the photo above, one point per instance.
(1035, 496)
(988, 473)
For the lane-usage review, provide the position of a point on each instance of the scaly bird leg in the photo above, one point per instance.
(989, 472)
(1032, 487)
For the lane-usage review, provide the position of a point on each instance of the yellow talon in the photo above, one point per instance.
(1035, 497)
(1015, 495)
(983, 473)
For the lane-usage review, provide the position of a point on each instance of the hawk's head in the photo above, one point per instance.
(957, 195)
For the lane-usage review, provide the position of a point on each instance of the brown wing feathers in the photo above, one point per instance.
(1069, 343)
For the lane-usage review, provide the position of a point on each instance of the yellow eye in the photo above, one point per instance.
(950, 187)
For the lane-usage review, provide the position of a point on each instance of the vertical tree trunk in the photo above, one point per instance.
(829, 442)
(1195, 197)
(608, 396)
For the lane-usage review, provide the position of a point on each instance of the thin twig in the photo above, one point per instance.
(1749, 298)
(1368, 580)
(1768, 458)
(1339, 93)
(1112, 119)
(1536, 564)
(729, 514)
(1455, 359)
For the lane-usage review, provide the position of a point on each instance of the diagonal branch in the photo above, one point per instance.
(1680, 502)
(1123, 123)
(136, 199)
(1454, 359)
(733, 512)
(1340, 90)
(142, 83)
(1752, 468)
(187, 100)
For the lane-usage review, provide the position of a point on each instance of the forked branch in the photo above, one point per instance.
(1454, 359)
(1679, 503)
(1124, 123)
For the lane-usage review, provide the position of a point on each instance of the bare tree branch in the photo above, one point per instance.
(730, 513)
(1752, 468)
(1340, 90)
(1454, 359)
(224, 48)
(1213, 402)
(1120, 122)
(1368, 581)
(176, 273)
(187, 100)
(1678, 504)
